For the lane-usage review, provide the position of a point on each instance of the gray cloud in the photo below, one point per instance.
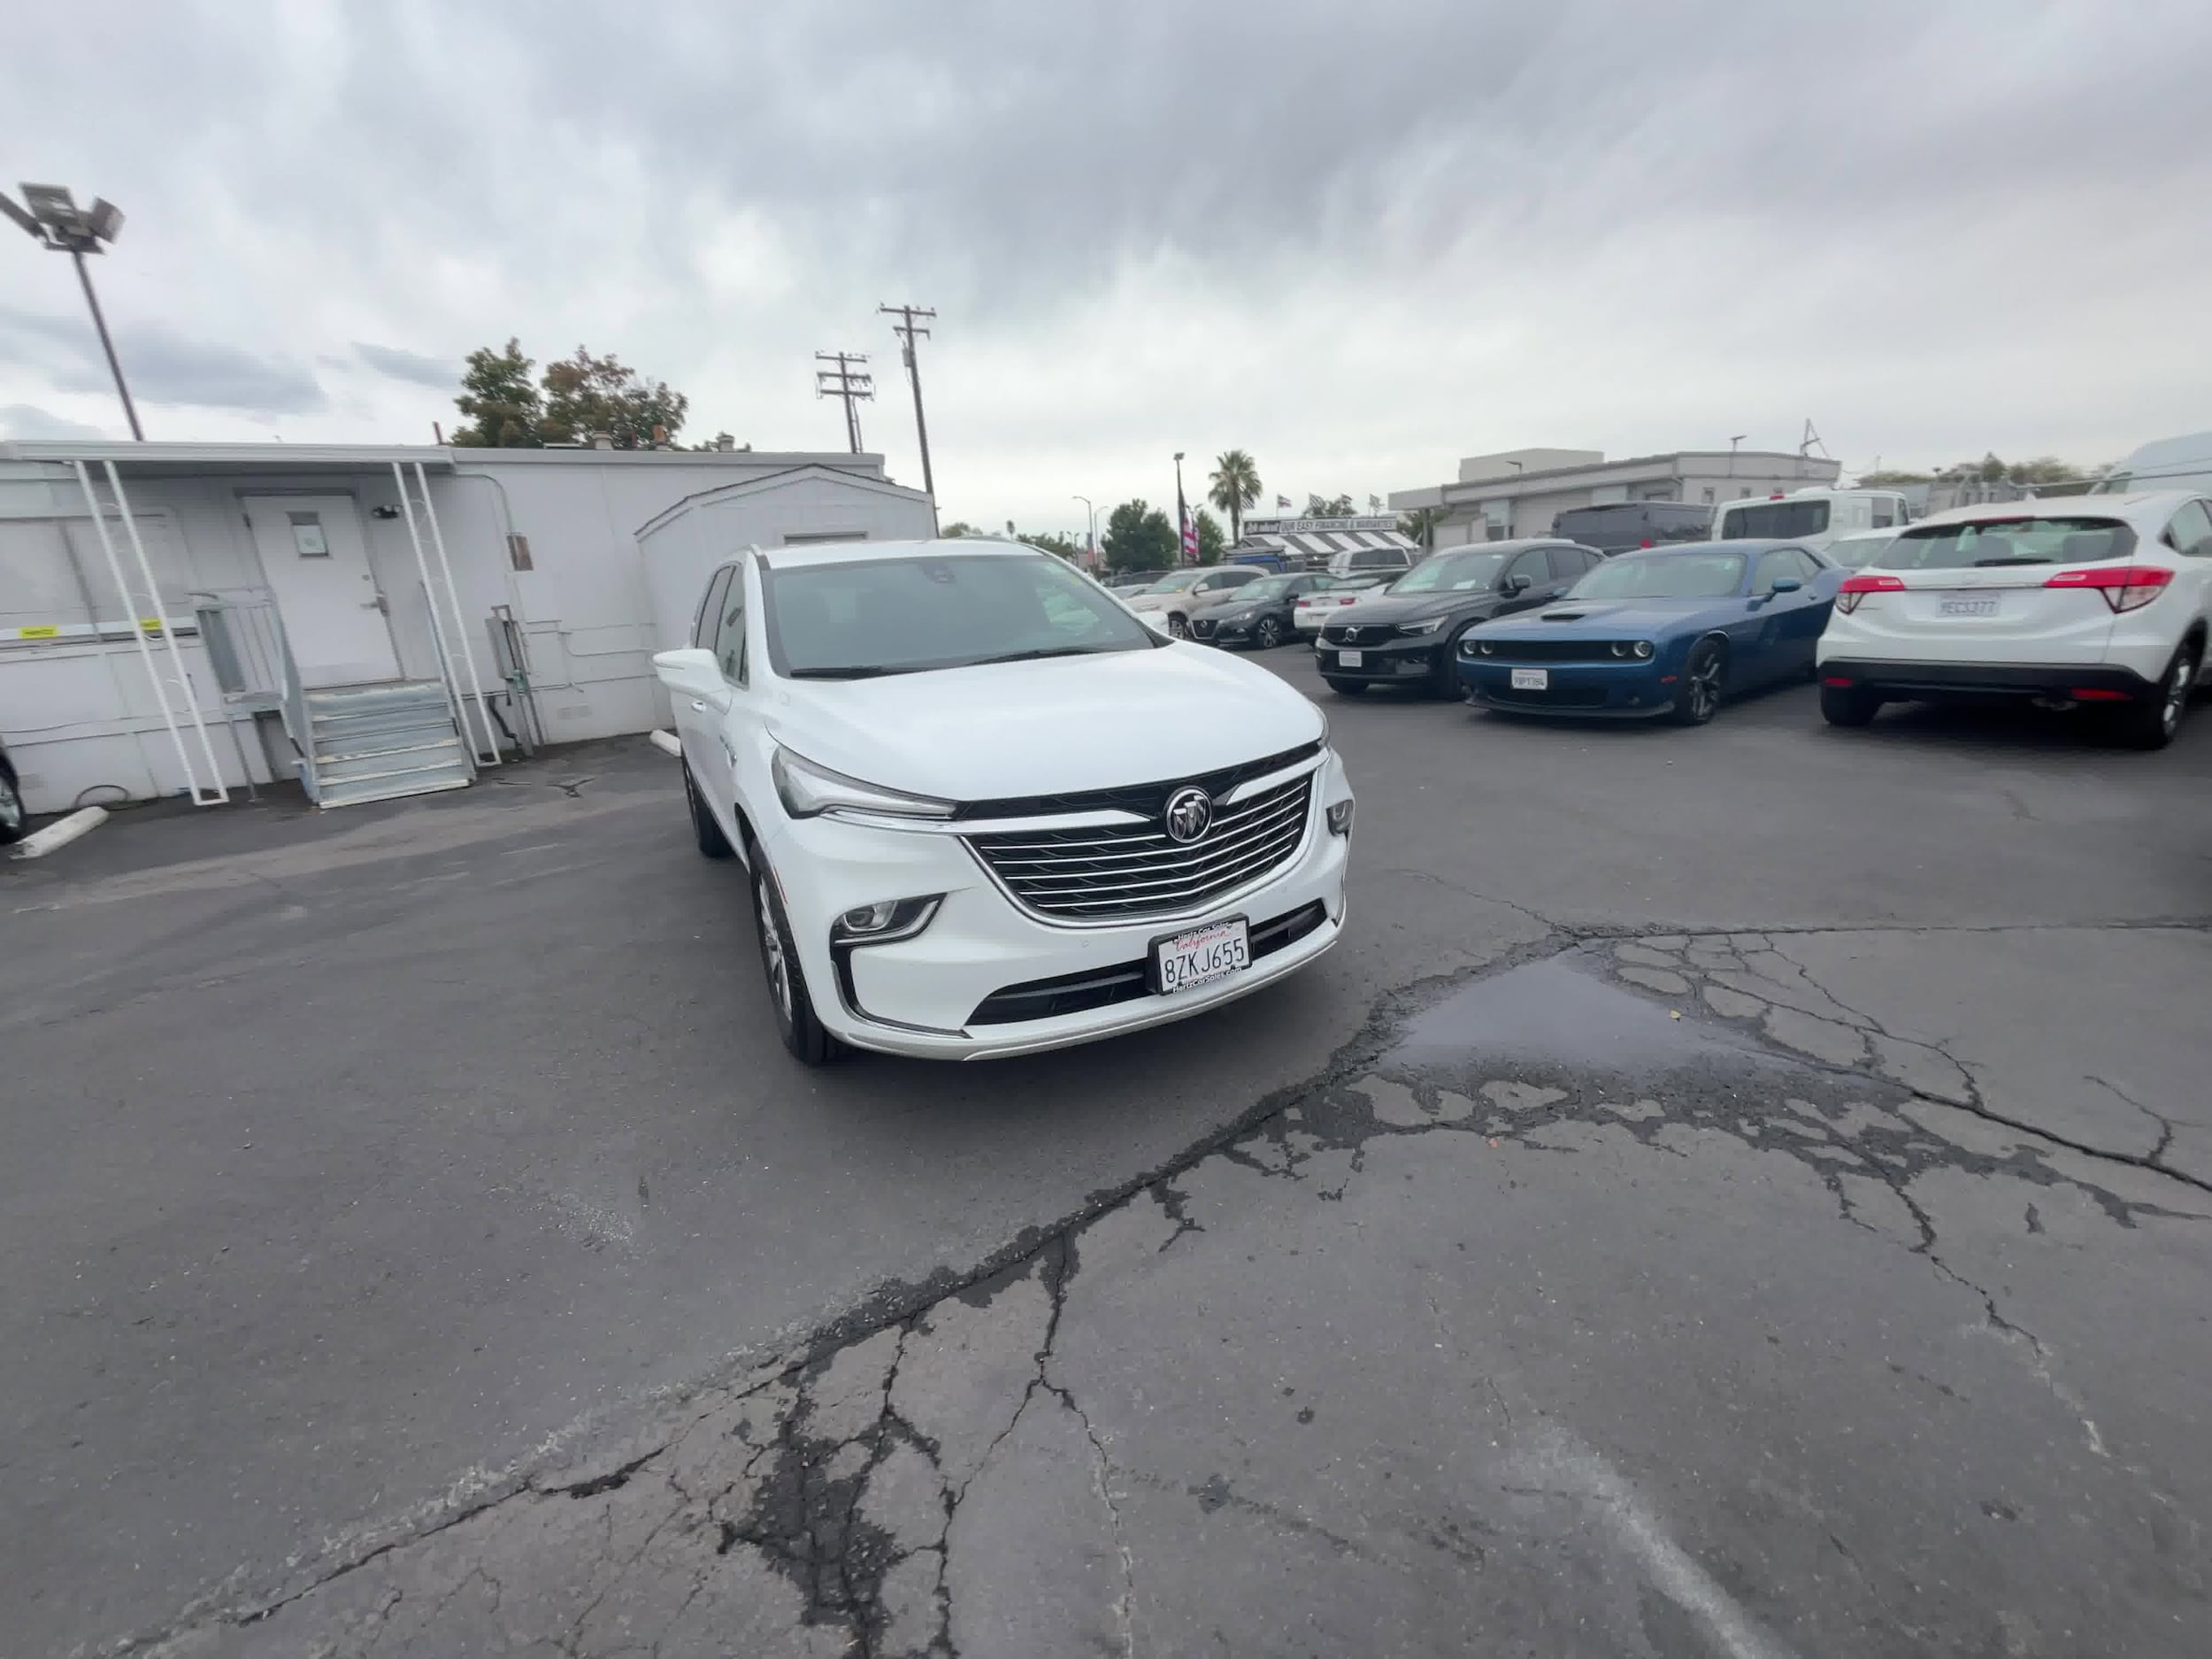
(410, 366)
(161, 365)
(25, 420)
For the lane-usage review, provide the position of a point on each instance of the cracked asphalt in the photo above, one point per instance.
(1739, 1192)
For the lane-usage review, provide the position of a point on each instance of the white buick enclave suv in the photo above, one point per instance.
(985, 810)
(2103, 600)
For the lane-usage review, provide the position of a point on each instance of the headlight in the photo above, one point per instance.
(1430, 626)
(809, 791)
(1643, 648)
(1241, 616)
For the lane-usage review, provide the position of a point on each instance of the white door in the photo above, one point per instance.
(316, 564)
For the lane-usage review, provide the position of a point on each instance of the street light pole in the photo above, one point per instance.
(54, 220)
(1182, 510)
(1093, 512)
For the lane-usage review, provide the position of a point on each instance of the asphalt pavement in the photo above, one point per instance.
(1737, 1191)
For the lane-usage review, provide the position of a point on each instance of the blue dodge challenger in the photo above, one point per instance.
(1669, 630)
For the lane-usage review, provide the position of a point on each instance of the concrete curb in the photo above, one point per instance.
(61, 832)
(667, 743)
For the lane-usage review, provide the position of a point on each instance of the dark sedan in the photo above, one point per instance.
(1408, 633)
(1669, 630)
(1261, 614)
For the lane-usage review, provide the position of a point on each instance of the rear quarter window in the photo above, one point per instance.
(1993, 544)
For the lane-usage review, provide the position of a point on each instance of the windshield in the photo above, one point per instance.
(1993, 544)
(1781, 521)
(1450, 572)
(1265, 591)
(856, 618)
(1677, 576)
(1176, 583)
(1853, 551)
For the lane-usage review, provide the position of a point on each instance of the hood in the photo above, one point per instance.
(1152, 601)
(1391, 609)
(1225, 603)
(1609, 618)
(1049, 727)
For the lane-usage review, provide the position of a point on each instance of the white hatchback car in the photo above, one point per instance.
(2089, 599)
(985, 810)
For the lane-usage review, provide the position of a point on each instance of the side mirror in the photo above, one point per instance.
(690, 673)
(1787, 584)
(1520, 584)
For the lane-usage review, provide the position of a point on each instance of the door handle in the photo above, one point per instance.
(700, 706)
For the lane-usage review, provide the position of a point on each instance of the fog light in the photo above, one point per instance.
(1341, 818)
(884, 921)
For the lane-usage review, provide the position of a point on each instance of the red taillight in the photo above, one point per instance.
(1841, 682)
(2123, 587)
(1644, 543)
(2096, 693)
(1855, 588)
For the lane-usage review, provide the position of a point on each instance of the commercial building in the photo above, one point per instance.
(370, 620)
(1306, 543)
(1518, 492)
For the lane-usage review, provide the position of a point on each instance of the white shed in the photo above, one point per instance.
(807, 503)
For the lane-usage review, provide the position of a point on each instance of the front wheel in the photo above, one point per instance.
(2152, 722)
(1848, 705)
(1176, 628)
(1444, 673)
(12, 817)
(796, 1023)
(1699, 699)
(1346, 688)
(1268, 634)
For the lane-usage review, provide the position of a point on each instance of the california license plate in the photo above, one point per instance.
(1958, 605)
(1351, 659)
(1532, 680)
(1200, 956)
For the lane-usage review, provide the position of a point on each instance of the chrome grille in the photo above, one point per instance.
(1127, 872)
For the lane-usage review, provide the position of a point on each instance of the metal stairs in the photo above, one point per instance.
(381, 742)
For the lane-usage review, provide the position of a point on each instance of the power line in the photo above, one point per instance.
(847, 384)
(908, 333)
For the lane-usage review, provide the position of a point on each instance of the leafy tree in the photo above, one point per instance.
(502, 406)
(586, 397)
(1139, 538)
(1211, 543)
(1235, 485)
(1067, 547)
(1420, 524)
(1328, 507)
(1889, 477)
(958, 528)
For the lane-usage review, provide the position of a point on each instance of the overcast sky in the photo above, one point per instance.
(1359, 240)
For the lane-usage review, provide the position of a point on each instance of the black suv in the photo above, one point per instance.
(1408, 633)
(1618, 525)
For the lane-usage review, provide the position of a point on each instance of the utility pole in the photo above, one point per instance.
(908, 333)
(845, 382)
(54, 220)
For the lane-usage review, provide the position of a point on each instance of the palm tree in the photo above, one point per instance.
(1235, 485)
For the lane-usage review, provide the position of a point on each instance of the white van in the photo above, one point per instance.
(2168, 464)
(1810, 517)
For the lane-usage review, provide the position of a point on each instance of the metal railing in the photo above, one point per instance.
(242, 631)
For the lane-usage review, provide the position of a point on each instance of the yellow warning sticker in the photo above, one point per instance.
(46, 631)
(152, 625)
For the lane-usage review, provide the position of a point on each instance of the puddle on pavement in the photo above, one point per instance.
(1558, 1013)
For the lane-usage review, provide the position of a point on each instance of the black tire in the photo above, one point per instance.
(2152, 722)
(788, 998)
(1346, 688)
(1267, 635)
(1444, 674)
(1848, 705)
(1177, 628)
(14, 821)
(712, 842)
(1704, 676)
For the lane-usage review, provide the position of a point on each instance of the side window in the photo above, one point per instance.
(708, 622)
(1807, 566)
(1532, 565)
(1885, 514)
(729, 637)
(1773, 565)
(2191, 531)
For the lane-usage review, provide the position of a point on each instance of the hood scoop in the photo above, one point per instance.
(1563, 616)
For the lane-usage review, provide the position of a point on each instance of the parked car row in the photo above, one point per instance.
(2096, 600)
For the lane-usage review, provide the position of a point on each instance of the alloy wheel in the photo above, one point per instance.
(771, 950)
(1178, 629)
(10, 808)
(1270, 633)
(2176, 700)
(1704, 687)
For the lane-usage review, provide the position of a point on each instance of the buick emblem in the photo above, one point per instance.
(1189, 810)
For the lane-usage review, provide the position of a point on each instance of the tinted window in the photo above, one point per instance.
(1777, 519)
(2002, 542)
(1532, 565)
(1451, 572)
(854, 618)
(2191, 531)
(1672, 576)
(729, 634)
(1378, 559)
(1851, 551)
(710, 618)
(1807, 566)
(1781, 562)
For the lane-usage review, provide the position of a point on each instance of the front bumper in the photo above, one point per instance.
(1615, 691)
(1920, 681)
(1386, 661)
(982, 956)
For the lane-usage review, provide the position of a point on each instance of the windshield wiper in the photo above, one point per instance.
(851, 671)
(1045, 651)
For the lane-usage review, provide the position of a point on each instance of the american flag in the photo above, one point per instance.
(1283, 501)
(1190, 539)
